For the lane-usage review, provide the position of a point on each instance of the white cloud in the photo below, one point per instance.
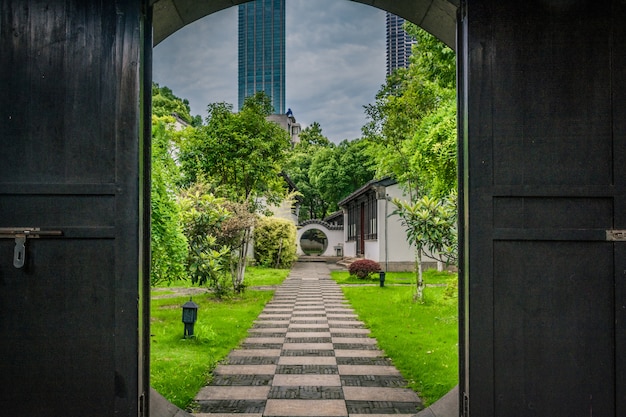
(335, 53)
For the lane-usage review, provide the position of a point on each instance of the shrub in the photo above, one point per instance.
(202, 214)
(169, 245)
(452, 289)
(364, 268)
(275, 242)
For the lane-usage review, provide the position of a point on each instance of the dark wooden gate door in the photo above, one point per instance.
(71, 337)
(544, 98)
(361, 240)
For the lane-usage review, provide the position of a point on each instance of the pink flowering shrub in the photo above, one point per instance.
(364, 268)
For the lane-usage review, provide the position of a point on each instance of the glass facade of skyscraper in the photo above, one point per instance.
(262, 51)
(399, 43)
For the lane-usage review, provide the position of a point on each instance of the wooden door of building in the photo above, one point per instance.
(544, 140)
(73, 341)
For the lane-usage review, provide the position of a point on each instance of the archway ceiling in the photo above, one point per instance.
(436, 16)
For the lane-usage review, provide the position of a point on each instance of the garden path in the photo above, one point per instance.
(307, 355)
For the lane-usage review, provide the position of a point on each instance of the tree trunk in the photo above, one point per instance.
(280, 249)
(241, 261)
(419, 292)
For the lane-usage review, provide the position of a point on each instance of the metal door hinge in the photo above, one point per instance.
(465, 405)
(142, 405)
(616, 235)
(20, 234)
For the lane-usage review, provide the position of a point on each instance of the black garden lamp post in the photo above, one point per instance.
(190, 315)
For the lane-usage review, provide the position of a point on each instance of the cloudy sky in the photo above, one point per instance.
(335, 54)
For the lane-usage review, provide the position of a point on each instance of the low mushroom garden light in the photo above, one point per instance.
(190, 316)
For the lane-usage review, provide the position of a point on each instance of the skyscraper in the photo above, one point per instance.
(398, 43)
(262, 51)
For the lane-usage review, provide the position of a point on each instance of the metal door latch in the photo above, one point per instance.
(20, 234)
(616, 235)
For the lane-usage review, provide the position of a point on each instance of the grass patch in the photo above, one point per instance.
(420, 338)
(431, 276)
(180, 367)
(257, 276)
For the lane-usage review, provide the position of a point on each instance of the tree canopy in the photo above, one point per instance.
(411, 127)
(325, 173)
(165, 103)
(240, 154)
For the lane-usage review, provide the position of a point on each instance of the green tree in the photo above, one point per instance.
(236, 234)
(202, 217)
(241, 155)
(312, 136)
(337, 171)
(242, 152)
(411, 130)
(411, 134)
(168, 243)
(431, 226)
(297, 166)
(275, 242)
(165, 103)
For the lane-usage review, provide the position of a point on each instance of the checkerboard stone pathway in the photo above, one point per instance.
(307, 355)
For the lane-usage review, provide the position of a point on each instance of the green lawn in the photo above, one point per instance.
(180, 367)
(431, 276)
(420, 338)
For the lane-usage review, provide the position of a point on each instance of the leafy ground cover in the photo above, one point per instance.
(431, 277)
(180, 367)
(420, 338)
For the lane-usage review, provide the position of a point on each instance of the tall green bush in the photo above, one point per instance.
(169, 246)
(275, 242)
(202, 216)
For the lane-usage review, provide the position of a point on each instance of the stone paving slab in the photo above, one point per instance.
(232, 393)
(245, 369)
(307, 380)
(347, 353)
(367, 370)
(303, 328)
(242, 380)
(392, 381)
(351, 331)
(231, 415)
(304, 338)
(307, 360)
(354, 340)
(351, 323)
(231, 406)
(282, 322)
(295, 335)
(382, 407)
(307, 354)
(305, 393)
(311, 408)
(263, 340)
(358, 415)
(251, 360)
(380, 394)
(310, 346)
(254, 331)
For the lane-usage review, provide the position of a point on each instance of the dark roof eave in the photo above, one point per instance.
(387, 181)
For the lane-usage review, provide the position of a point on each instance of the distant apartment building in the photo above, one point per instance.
(262, 51)
(399, 43)
(288, 122)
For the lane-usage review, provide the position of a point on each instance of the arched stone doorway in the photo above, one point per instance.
(327, 240)
(436, 16)
(541, 97)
